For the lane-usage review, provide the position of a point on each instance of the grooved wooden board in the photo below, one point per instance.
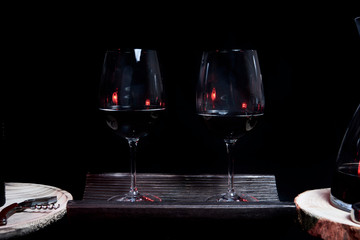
(179, 188)
(183, 196)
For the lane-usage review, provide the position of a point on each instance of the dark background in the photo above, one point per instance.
(52, 133)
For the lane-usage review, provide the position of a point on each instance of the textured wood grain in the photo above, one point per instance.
(183, 188)
(183, 196)
(31, 220)
(319, 218)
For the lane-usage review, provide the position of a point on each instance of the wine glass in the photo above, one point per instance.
(230, 99)
(345, 186)
(131, 100)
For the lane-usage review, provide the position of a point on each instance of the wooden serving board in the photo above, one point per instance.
(31, 220)
(319, 218)
(183, 196)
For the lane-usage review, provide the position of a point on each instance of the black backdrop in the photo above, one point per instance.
(52, 133)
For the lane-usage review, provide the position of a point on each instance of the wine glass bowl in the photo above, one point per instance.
(230, 99)
(345, 185)
(131, 101)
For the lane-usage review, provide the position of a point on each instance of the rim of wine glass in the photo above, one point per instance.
(129, 50)
(226, 50)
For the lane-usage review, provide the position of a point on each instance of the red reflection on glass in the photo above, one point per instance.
(243, 196)
(152, 199)
(213, 94)
(244, 105)
(147, 102)
(148, 199)
(115, 97)
(357, 158)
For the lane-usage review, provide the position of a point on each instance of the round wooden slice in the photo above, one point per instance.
(31, 220)
(319, 218)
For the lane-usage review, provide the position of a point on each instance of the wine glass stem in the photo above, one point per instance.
(231, 166)
(133, 148)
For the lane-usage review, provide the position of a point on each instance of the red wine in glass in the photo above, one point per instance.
(132, 123)
(346, 183)
(230, 127)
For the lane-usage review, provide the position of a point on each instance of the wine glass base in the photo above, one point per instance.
(225, 197)
(135, 198)
(340, 204)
